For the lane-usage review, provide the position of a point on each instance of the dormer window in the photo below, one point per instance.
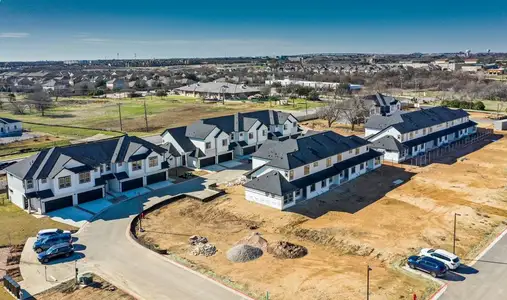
(29, 184)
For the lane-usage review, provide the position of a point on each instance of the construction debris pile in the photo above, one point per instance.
(240, 181)
(200, 246)
(283, 249)
(243, 253)
(254, 240)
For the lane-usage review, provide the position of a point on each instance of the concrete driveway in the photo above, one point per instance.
(485, 280)
(71, 215)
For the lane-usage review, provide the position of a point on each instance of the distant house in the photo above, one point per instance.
(10, 127)
(402, 136)
(216, 140)
(60, 177)
(379, 104)
(218, 90)
(116, 84)
(286, 172)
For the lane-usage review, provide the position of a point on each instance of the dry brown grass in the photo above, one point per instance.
(343, 129)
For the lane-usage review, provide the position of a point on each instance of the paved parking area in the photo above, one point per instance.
(71, 216)
(97, 205)
(214, 168)
(160, 185)
(131, 193)
(231, 164)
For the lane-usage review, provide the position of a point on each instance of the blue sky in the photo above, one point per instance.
(70, 29)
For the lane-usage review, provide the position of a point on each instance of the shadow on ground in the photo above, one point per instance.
(353, 196)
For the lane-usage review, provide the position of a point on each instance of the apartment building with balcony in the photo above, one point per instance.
(286, 172)
(404, 135)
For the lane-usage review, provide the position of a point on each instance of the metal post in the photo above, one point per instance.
(75, 267)
(368, 282)
(46, 273)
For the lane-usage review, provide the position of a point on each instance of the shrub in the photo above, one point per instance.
(161, 93)
(479, 105)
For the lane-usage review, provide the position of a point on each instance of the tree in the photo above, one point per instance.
(41, 101)
(354, 111)
(342, 89)
(331, 113)
(161, 93)
(265, 91)
(17, 108)
(479, 105)
(100, 83)
(313, 95)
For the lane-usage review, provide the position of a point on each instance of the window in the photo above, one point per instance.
(153, 162)
(291, 174)
(377, 160)
(84, 177)
(361, 167)
(232, 136)
(208, 145)
(353, 170)
(285, 127)
(350, 151)
(224, 142)
(241, 134)
(424, 130)
(312, 188)
(250, 135)
(29, 184)
(357, 151)
(339, 157)
(264, 132)
(288, 198)
(298, 193)
(328, 162)
(315, 164)
(307, 170)
(64, 182)
(411, 135)
(108, 167)
(323, 183)
(44, 181)
(120, 164)
(137, 165)
(430, 129)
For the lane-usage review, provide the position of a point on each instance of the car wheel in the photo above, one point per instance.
(67, 254)
(45, 260)
(434, 274)
(38, 250)
(411, 266)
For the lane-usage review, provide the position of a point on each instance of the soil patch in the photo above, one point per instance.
(254, 240)
(283, 249)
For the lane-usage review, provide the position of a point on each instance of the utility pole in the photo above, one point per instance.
(368, 282)
(119, 112)
(454, 239)
(145, 115)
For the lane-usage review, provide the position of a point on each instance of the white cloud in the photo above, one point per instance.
(13, 35)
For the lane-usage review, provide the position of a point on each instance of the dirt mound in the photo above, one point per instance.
(243, 253)
(254, 240)
(195, 240)
(283, 249)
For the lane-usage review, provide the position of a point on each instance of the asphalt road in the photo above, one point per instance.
(486, 280)
(134, 268)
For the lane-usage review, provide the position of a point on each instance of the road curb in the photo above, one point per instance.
(491, 245)
(237, 292)
(441, 290)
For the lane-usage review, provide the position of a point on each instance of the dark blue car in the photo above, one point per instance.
(45, 243)
(428, 265)
(63, 249)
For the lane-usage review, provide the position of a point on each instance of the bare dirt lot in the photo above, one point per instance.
(367, 221)
(343, 129)
(98, 290)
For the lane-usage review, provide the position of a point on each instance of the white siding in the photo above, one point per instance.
(270, 200)
(168, 138)
(257, 162)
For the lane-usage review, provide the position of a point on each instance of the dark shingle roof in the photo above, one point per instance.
(293, 153)
(389, 143)
(8, 121)
(272, 182)
(410, 121)
(178, 133)
(48, 163)
(437, 134)
(381, 100)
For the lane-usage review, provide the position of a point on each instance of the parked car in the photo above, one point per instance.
(49, 232)
(58, 250)
(428, 265)
(46, 243)
(450, 260)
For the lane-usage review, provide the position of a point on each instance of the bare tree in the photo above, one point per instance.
(354, 111)
(16, 107)
(41, 101)
(331, 113)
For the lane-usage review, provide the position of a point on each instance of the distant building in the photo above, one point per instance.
(471, 68)
(117, 83)
(10, 127)
(312, 84)
(383, 105)
(218, 90)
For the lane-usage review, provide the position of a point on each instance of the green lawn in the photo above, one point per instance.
(16, 225)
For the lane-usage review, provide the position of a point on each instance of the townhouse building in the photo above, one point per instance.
(404, 135)
(10, 127)
(66, 176)
(215, 140)
(379, 104)
(286, 172)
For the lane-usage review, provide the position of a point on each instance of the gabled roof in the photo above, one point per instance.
(8, 121)
(219, 88)
(293, 153)
(272, 182)
(415, 120)
(49, 162)
(388, 143)
(381, 100)
(178, 133)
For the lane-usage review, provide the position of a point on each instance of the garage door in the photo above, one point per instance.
(225, 157)
(131, 184)
(206, 162)
(156, 178)
(248, 150)
(58, 203)
(89, 196)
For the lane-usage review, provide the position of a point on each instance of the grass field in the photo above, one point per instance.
(162, 112)
(32, 145)
(16, 225)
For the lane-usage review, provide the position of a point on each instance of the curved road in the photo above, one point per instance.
(135, 269)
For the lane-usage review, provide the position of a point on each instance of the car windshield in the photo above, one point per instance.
(431, 250)
(456, 260)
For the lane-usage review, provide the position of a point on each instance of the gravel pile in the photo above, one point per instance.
(283, 249)
(204, 250)
(254, 240)
(243, 253)
(195, 240)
